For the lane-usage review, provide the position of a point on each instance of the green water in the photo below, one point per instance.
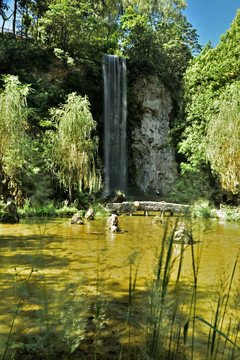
(77, 266)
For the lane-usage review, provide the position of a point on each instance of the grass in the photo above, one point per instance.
(48, 209)
(165, 317)
(51, 209)
(201, 209)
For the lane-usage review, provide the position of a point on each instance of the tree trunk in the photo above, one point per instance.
(14, 17)
(1, 181)
(70, 190)
(3, 23)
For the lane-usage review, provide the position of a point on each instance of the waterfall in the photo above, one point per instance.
(115, 117)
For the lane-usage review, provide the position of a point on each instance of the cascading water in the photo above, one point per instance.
(115, 118)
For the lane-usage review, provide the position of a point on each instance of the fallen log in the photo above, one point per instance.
(146, 207)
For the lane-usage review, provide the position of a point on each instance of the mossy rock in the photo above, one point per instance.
(9, 214)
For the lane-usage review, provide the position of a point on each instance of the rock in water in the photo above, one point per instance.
(76, 219)
(10, 214)
(112, 223)
(182, 234)
(89, 214)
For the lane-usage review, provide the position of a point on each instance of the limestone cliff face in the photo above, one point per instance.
(153, 159)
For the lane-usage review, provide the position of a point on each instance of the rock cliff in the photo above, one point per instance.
(153, 159)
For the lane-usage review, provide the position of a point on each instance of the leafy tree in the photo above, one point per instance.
(73, 149)
(223, 139)
(210, 86)
(71, 24)
(14, 142)
(158, 40)
(139, 41)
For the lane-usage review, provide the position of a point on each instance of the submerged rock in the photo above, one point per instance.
(76, 219)
(182, 234)
(112, 224)
(157, 219)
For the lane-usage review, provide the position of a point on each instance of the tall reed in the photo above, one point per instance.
(163, 325)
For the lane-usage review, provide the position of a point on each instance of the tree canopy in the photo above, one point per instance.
(211, 135)
(72, 35)
(156, 38)
(72, 148)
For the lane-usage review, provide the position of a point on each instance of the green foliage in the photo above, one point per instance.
(48, 209)
(15, 145)
(70, 37)
(35, 209)
(231, 214)
(99, 211)
(16, 54)
(73, 149)
(138, 40)
(194, 184)
(70, 25)
(201, 209)
(31, 62)
(158, 41)
(211, 94)
(222, 142)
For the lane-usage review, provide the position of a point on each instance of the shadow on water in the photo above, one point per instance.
(114, 335)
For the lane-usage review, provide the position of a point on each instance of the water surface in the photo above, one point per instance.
(73, 266)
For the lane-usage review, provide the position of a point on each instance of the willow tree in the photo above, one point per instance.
(222, 140)
(14, 142)
(210, 140)
(73, 146)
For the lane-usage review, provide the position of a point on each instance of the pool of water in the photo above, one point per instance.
(50, 268)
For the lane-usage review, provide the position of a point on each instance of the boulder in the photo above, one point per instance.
(112, 224)
(76, 219)
(182, 234)
(89, 214)
(9, 214)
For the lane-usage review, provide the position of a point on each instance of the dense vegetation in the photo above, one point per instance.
(56, 47)
(210, 140)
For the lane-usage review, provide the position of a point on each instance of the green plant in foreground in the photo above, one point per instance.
(215, 348)
(163, 326)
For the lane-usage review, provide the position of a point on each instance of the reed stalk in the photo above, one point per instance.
(227, 298)
(164, 329)
(131, 290)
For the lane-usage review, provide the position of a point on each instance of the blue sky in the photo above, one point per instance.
(211, 18)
